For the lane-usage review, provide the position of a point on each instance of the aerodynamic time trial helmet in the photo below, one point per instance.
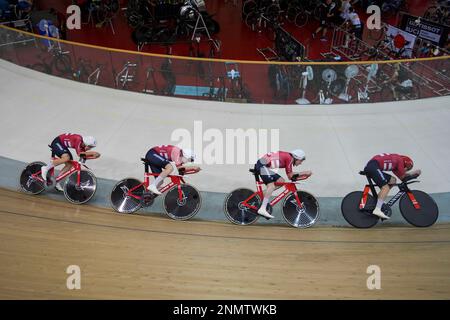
(298, 154)
(407, 161)
(189, 154)
(89, 141)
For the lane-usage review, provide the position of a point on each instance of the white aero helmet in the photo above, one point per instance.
(189, 154)
(89, 141)
(298, 154)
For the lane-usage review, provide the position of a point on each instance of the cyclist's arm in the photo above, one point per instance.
(182, 168)
(414, 174)
(300, 175)
(89, 154)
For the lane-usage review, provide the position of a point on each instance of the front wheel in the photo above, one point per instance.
(354, 215)
(82, 193)
(423, 217)
(121, 201)
(236, 211)
(28, 183)
(304, 215)
(184, 207)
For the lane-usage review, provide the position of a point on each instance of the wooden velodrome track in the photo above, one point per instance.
(153, 257)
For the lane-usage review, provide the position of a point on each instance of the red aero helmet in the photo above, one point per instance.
(407, 161)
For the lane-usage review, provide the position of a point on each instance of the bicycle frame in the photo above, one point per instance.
(76, 167)
(289, 187)
(176, 180)
(403, 188)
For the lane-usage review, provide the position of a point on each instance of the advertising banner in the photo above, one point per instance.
(426, 30)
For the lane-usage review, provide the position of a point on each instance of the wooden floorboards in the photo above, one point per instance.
(154, 257)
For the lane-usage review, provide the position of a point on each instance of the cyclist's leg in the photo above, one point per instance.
(62, 154)
(158, 164)
(269, 178)
(168, 169)
(65, 159)
(382, 180)
(67, 166)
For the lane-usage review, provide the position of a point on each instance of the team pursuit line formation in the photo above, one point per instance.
(181, 201)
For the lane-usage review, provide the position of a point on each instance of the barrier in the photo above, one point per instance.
(258, 81)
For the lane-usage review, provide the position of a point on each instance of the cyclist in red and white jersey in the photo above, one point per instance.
(60, 148)
(273, 160)
(160, 158)
(375, 169)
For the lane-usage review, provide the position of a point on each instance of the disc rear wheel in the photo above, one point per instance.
(236, 211)
(354, 215)
(28, 183)
(121, 201)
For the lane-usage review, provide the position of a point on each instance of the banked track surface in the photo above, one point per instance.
(153, 257)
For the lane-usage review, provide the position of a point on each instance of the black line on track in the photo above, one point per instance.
(219, 237)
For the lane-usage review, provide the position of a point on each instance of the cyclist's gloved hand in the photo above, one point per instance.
(295, 177)
(181, 171)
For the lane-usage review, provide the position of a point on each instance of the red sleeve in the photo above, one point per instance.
(176, 156)
(399, 170)
(288, 162)
(289, 168)
(77, 144)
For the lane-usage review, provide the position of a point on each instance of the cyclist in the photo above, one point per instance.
(344, 11)
(160, 158)
(354, 24)
(398, 164)
(60, 148)
(280, 159)
(327, 17)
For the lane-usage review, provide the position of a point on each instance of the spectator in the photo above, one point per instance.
(60, 23)
(355, 26)
(326, 20)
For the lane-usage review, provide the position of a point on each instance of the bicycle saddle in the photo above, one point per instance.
(252, 171)
(144, 160)
(363, 173)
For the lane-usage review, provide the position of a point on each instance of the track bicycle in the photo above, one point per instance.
(416, 206)
(58, 64)
(181, 201)
(300, 208)
(79, 187)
